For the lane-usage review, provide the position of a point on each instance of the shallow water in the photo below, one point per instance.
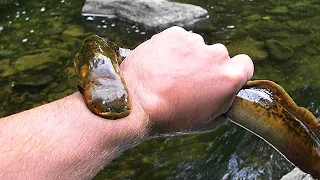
(38, 40)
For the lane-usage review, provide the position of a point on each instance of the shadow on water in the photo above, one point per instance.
(38, 40)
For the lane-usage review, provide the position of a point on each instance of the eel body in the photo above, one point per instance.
(265, 109)
(100, 82)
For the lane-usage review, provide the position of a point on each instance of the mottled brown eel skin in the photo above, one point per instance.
(100, 82)
(261, 106)
(265, 109)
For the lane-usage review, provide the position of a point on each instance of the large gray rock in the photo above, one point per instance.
(297, 174)
(150, 13)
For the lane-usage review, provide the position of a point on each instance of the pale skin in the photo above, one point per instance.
(177, 84)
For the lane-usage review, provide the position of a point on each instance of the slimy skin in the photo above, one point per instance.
(264, 108)
(100, 82)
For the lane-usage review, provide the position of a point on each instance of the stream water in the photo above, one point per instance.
(38, 40)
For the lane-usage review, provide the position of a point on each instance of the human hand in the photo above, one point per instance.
(181, 82)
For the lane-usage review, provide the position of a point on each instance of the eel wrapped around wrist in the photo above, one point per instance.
(261, 106)
(100, 82)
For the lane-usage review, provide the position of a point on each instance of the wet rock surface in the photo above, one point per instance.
(149, 13)
(297, 174)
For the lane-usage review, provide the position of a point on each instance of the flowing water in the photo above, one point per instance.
(38, 40)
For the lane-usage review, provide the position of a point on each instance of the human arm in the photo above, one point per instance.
(176, 83)
(64, 140)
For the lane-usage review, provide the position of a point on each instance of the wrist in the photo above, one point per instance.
(91, 141)
(131, 129)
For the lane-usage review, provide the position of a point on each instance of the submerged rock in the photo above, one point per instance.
(278, 51)
(254, 17)
(279, 10)
(5, 68)
(35, 80)
(4, 53)
(250, 46)
(150, 13)
(75, 31)
(45, 56)
(4, 2)
(297, 174)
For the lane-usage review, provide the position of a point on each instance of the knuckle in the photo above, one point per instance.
(236, 77)
(196, 38)
(219, 50)
(178, 28)
(174, 32)
(175, 29)
(246, 65)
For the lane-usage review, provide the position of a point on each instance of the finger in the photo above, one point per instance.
(179, 31)
(244, 65)
(218, 52)
(171, 33)
(193, 37)
(238, 71)
(175, 29)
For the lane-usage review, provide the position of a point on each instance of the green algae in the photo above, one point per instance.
(255, 49)
(5, 68)
(75, 31)
(278, 51)
(34, 80)
(4, 53)
(279, 10)
(254, 17)
(31, 61)
(268, 29)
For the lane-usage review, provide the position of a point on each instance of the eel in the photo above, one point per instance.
(265, 109)
(100, 82)
(261, 106)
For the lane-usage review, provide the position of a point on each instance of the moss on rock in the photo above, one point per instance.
(250, 46)
(75, 31)
(5, 68)
(254, 17)
(279, 10)
(278, 51)
(34, 80)
(31, 61)
(268, 29)
(4, 53)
